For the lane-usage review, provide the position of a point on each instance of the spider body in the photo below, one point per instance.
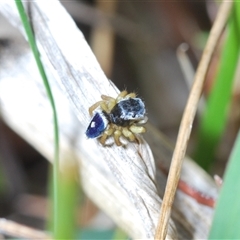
(127, 110)
(122, 116)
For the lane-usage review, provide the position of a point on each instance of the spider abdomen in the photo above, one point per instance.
(97, 125)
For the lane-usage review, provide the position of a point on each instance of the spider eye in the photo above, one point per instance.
(97, 125)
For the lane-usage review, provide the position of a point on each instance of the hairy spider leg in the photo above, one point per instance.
(124, 94)
(111, 105)
(93, 107)
(143, 121)
(107, 98)
(128, 134)
(117, 134)
(108, 132)
(137, 129)
(131, 95)
(111, 102)
(121, 95)
(102, 104)
(104, 107)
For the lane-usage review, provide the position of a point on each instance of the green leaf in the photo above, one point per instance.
(226, 220)
(119, 234)
(213, 121)
(33, 45)
(67, 207)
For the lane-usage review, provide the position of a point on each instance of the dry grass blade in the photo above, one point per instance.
(120, 180)
(188, 117)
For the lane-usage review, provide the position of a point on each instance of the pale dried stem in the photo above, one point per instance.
(120, 181)
(77, 82)
(14, 229)
(188, 117)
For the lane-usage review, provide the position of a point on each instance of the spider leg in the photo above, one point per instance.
(93, 107)
(104, 107)
(110, 102)
(142, 121)
(131, 95)
(105, 135)
(111, 105)
(125, 94)
(107, 98)
(121, 95)
(128, 134)
(117, 134)
(137, 129)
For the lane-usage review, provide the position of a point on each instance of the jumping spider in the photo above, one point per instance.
(123, 116)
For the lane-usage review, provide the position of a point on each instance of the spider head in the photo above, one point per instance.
(127, 111)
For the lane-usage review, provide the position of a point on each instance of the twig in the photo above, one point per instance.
(187, 119)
